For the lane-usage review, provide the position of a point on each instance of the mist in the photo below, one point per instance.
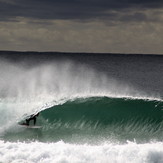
(28, 87)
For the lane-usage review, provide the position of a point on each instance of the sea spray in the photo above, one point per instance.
(25, 89)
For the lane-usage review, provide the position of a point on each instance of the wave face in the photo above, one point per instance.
(96, 119)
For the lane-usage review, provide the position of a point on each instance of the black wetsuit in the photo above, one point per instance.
(32, 117)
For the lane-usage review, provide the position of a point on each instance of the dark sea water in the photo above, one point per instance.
(93, 107)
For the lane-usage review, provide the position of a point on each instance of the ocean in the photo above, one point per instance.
(93, 108)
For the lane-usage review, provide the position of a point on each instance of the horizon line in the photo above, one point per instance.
(69, 52)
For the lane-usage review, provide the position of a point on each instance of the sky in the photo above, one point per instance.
(104, 26)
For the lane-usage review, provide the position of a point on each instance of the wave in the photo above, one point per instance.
(97, 119)
(77, 103)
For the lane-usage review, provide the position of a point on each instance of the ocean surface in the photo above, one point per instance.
(94, 108)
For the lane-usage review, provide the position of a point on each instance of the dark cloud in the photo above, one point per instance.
(73, 9)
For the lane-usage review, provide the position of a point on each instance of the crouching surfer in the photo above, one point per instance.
(32, 117)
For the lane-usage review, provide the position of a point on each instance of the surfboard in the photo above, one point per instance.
(34, 126)
(30, 126)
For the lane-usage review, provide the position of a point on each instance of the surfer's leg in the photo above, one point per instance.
(34, 120)
(27, 122)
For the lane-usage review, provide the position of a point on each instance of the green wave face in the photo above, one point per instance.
(93, 120)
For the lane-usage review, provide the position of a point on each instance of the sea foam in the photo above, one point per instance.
(64, 152)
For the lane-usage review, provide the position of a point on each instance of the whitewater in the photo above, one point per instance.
(93, 108)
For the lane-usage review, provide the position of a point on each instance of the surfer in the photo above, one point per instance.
(32, 117)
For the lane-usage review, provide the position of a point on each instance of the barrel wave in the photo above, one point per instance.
(96, 119)
(123, 118)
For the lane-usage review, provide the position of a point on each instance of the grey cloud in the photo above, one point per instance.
(134, 17)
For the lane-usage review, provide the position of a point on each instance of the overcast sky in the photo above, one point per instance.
(111, 26)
